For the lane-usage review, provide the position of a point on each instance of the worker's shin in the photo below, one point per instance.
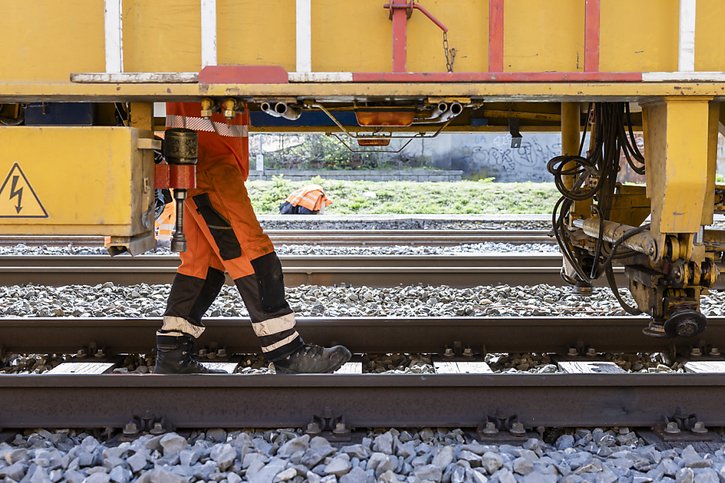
(190, 298)
(212, 286)
(272, 318)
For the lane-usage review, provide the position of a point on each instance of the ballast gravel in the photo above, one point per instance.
(315, 250)
(144, 300)
(599, 455)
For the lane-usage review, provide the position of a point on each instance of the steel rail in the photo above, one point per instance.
(336, 237)
(544, 334)
(361, 401)
(369, 270)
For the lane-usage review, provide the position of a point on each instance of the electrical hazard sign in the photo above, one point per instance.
(18, 198)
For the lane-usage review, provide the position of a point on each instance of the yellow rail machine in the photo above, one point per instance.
(78, 89)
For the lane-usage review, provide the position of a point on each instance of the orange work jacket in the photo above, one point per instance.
(310, 196)
(218, 136)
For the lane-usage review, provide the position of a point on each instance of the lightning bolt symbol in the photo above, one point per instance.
(18, 193)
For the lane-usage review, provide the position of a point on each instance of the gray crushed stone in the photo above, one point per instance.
(316, 250)
(109, 300)
(435, 455)
(144, 300)
(425, 222)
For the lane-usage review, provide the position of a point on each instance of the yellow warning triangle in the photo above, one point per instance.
(18, 198)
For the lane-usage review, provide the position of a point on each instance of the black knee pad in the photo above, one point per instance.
(268, 271)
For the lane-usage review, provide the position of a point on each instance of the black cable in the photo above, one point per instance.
(627, 235)
(631, 150)
(609, 269)
(595, 176)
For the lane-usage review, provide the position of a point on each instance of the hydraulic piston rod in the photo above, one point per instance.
(642, 242)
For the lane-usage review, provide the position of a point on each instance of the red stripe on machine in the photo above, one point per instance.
(591, 35)
(243, 74)
(495, 35)
(400, 39)
(497, 77)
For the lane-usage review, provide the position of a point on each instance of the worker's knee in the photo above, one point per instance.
(268, 271)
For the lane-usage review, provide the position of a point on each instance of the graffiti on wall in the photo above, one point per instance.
(491, 156)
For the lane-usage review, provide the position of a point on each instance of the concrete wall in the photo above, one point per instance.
(470, 155)
(489, 155)
(363, 174)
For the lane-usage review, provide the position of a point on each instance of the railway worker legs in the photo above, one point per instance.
(223, 235)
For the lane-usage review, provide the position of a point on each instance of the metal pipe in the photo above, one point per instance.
(355, 135)
(286, 111)
(430, 16)
(642, 242)
(454, 110)
(269, 109)
(436, 116)
(439, 110)
(570, 125)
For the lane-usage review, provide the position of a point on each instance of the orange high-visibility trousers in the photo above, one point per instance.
(220, 226)
(224, 235)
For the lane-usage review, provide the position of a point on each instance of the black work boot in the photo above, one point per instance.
(313, 359)
(175, 355)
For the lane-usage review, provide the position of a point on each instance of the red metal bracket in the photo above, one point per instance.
(405, 5)
(182, 176)
(400, 12)
(162, 176)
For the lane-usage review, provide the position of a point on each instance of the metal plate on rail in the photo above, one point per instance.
(69, 368)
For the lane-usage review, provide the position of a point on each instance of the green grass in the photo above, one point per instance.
(399, 197)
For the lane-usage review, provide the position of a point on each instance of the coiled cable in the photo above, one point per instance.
(580, 178)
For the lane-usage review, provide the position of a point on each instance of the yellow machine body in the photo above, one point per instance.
(44, 40)
(664, 58)
(75, 181)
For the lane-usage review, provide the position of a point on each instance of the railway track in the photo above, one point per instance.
(373, 271)
(365, 334)
(338, 238)
(364, 400)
